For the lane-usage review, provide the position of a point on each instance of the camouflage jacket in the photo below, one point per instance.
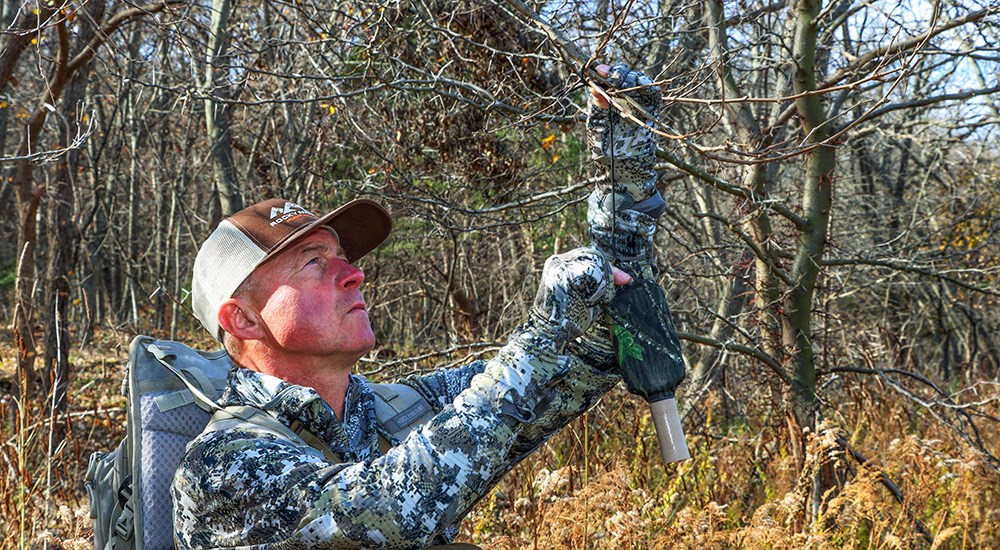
(251, 487)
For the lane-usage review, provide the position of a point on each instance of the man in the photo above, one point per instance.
(278, 286)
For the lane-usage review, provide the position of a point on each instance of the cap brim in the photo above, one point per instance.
(362, 225)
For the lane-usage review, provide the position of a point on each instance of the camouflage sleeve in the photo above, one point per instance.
(249, 486)
(624, 234)
(566, 399)
(442, 386)
(593, 364)
(623, 151)
(555, 320)
(574, 286)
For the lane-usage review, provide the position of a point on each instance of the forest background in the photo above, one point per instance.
(830, 247)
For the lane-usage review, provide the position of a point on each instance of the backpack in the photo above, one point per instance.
(171, 393)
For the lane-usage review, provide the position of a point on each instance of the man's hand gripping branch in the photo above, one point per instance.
(624, 206)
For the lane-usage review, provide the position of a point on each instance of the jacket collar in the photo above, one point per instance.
(354, 438)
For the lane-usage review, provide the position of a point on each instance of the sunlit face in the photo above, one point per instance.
(309, 301)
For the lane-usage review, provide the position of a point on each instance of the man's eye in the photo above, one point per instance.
(314, 261)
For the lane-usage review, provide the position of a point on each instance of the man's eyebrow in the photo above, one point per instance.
(315, 245)
(320, 246)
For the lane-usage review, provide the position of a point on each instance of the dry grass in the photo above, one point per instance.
(742, 488)
(43, 503)
(600, 483)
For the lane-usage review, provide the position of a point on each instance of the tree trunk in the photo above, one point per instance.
(28, 198)
(816, 203)
(217, 112)
(62, 232)
(7, 13)
(741, 118)
(61, 235)
(731, 304)
(94, 275)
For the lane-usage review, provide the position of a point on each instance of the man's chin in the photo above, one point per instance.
(366, 344)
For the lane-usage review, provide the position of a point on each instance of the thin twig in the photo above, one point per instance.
(484, 347)
(740, 348)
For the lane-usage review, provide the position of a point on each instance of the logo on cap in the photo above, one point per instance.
(287, 212)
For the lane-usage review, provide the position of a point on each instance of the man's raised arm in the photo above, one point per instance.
(248, 486)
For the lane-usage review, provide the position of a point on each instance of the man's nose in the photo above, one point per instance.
(350, 276)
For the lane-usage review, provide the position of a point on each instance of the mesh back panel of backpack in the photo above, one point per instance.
(164, 438)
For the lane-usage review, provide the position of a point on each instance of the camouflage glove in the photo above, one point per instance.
(573, 286)
(625, 153)
(624, 234)
(623, 208)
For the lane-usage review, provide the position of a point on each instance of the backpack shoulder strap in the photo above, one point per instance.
(197, 390)
(241, 416)
(400, 408)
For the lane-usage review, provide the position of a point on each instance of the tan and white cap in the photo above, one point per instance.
(255, 234)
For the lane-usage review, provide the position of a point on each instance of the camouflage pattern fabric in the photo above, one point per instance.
(624, 234)
(625, 203)
(251, 487)
(621, 213)
(573, 284)
(625, 152)
(649, 352)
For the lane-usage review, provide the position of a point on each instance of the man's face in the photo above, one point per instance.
(309, 300)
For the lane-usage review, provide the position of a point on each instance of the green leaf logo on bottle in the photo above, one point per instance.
(628, 348)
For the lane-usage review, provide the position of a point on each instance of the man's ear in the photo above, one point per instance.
(240, 320)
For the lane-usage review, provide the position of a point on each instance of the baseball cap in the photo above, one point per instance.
(257, 233)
